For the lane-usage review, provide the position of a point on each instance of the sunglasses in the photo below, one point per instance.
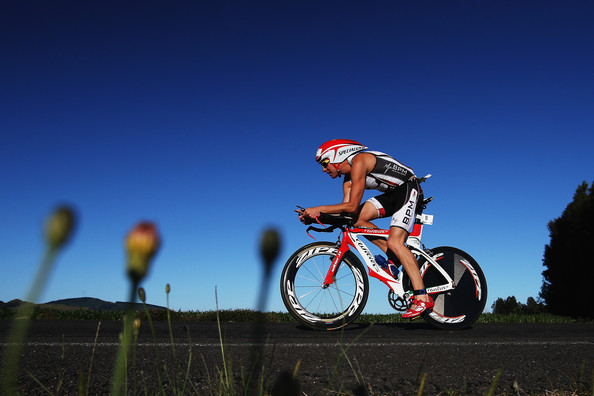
(325, 162)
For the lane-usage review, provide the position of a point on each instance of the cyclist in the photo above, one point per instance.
(363, 169)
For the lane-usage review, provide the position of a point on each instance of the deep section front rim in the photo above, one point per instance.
(316, 306)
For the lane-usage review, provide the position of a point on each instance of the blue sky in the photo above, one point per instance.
(204, 117)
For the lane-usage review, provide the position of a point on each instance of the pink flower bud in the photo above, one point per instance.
(142, 243)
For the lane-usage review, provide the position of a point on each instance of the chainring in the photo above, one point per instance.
(398, 303)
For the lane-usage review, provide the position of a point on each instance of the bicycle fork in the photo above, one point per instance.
(331, 274)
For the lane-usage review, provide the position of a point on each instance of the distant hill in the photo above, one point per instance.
(10, 304)
(81, 303)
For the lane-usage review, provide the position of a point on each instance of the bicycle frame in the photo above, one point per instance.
(350, 238)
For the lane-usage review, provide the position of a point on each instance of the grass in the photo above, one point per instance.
(248, 315)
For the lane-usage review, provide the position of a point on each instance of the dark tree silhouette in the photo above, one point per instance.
(507, 306)
(569, 259)
(511, 306)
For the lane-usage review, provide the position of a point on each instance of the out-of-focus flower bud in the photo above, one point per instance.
(142, 243)
(136, 326)
(270, 247)
(141, 294)
(59, 226)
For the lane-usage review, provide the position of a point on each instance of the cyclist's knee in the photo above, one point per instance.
(397, 236)
(394, 246)
(396, 240)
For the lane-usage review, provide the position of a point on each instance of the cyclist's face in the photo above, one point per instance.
(331, 170)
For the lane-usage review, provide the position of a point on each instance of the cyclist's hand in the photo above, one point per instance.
(303, 216)
(310, 215)
(306, 220)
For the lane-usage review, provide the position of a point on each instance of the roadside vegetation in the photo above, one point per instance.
(247, 315)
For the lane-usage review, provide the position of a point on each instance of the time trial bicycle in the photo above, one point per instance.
(324, 285)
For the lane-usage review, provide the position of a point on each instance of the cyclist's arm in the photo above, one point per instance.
(346, 189)
(353, 190)
(359, 169)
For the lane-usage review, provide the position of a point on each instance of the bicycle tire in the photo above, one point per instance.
(461, 307)
(323, 308)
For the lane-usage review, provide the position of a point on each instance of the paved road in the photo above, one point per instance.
(387, 358)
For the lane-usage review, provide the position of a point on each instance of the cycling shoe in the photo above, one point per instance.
(418, 308)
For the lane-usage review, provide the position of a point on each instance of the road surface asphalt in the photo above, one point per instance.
(383, 359)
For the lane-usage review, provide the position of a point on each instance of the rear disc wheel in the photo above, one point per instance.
(461, 307)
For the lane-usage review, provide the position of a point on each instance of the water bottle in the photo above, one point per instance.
(387, 265)
(381, 260)
(393, 269)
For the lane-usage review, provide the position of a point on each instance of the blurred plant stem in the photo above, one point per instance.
(270, 245)
(120, 382)
(142, 243)
(142, 296)
(58, 230)
(21, 324)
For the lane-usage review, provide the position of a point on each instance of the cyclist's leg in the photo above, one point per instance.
(421, 302)
(387, 204)
(369, 211)
(400, 226)
(409, 262)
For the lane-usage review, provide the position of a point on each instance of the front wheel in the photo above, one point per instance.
(313, 305)
(458, 308)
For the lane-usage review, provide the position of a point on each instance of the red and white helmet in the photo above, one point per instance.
(337, 150)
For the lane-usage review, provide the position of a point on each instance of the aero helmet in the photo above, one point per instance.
(337, 150)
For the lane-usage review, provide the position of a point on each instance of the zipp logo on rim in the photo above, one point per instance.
(313, 252)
